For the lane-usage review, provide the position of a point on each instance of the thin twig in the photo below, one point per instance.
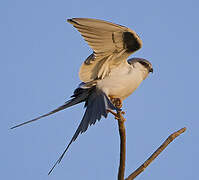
(119, 116)
(155, 154)
(122, 132)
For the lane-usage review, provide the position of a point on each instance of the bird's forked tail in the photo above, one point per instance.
(96, 103)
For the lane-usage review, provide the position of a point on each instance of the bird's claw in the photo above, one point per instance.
(117, 102)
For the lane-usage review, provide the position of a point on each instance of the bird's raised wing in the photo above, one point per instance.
(110, 43)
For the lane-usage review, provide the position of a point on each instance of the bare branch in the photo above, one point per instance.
(122, 132)
(155, 154)
(119, 116)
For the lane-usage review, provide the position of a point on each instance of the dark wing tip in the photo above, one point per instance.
(69, 20)
(72, 21)
(132, 42)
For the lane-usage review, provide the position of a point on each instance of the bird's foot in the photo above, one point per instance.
(123, 113)
(117, 102)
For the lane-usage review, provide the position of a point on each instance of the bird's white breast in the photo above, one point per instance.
(121, 82)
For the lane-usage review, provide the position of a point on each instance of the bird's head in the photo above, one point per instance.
(142, 64)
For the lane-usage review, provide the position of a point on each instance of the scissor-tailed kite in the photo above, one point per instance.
(106, 74)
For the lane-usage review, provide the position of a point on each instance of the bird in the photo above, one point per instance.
(106, 75)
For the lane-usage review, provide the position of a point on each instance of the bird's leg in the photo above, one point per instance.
(117, 102)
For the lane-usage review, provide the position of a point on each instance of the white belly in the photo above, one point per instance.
(121, 82)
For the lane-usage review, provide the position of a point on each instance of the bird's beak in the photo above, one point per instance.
(151, 70)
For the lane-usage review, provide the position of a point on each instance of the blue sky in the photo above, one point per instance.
(39, 62)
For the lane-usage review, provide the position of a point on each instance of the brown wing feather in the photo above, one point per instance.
(109, 41)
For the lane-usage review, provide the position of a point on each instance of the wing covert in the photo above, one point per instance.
(109, 42)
